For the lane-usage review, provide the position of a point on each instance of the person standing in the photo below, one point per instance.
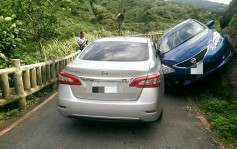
(82, 42)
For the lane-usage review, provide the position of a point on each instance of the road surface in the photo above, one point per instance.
(47, 129)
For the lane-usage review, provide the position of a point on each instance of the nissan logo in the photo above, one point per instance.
(193, 60)
(104, 73)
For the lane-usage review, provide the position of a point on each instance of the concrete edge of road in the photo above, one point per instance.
(199, 114)
(203, 120)
(28, 114)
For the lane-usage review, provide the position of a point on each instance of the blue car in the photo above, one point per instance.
(191, 50)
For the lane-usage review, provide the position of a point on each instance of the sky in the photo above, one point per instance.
(221, 1)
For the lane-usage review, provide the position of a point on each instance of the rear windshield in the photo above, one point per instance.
(116, 51)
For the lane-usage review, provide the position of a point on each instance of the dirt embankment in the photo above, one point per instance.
(227, 79)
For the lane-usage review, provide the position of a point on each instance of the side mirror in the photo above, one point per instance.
(210, 23)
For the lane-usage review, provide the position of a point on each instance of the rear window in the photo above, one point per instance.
(116, 51)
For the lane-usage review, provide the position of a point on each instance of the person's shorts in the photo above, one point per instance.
(82, 47)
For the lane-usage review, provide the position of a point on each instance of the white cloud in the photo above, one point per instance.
(221, 1)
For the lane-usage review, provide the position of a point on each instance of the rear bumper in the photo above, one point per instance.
(118, 110)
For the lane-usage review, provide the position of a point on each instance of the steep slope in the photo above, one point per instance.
(216, 8)
(229, 21)
(153, 15)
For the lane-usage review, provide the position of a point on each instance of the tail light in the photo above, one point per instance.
(146, 82)
(66, 78)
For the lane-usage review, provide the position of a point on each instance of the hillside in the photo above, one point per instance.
(153, 15)
(229, 21)
(215, 8)
(33, 28)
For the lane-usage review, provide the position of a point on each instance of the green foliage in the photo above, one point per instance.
(60, 48)
(217, 8)
(13, 112)
(233, 22)
(233, 3)
(227, 17)
(51, 22)
(103, 15)
(38, 16)
(222, 116)
(225, 125)
(38, 96)
(229, 21)
(153, 15)
(10, 38)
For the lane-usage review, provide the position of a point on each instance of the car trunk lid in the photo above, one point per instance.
(107, 80)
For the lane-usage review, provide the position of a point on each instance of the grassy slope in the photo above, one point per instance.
(216, 8)
(153, 15)
(98, 18)
(229, 21)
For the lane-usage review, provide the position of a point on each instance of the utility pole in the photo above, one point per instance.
(122, 6)
(120, 17)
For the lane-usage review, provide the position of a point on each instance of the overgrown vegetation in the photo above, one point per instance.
(30, 29)
(11, 40)
(221, 115)
(229, 21)
(154, 15)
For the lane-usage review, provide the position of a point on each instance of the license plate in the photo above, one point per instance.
(104, 87)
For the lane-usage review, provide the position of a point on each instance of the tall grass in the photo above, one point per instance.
(59, 48)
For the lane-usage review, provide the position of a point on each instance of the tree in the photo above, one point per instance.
(10, 39)
(38, 17)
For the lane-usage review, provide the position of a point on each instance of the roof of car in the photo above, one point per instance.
(124, 38)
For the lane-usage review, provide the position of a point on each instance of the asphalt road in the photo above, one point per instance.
(46, 129)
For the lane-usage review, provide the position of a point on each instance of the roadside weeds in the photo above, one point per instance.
(223, 142)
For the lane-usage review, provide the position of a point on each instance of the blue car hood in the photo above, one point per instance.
(188, 49)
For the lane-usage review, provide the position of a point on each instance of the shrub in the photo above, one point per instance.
(224, 125)
(221, 115)
(13, 112)
(215, 105)
(10, 38)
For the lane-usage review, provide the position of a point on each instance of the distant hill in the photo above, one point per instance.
(72, 16)
(145, 16)
(216, 8)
